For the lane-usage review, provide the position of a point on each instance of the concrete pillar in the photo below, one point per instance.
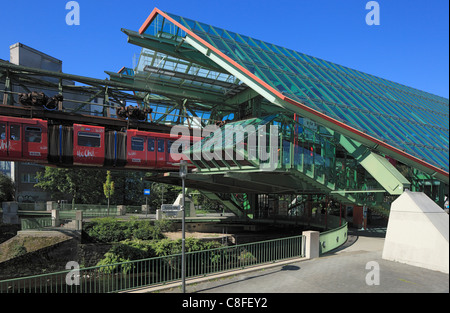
(312, 244)
(358, 219)
(159, 215)
(51, 205)
(79, 220)
(145, 208)
(10, 213)
(121, 210)
(55, 218)
(39, 206)
(308, 207)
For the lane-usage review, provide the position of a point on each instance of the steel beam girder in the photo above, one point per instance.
(233, 71)
(157, 87)
(364, 140)
(295, 107)
(171, 48)
(377, 166)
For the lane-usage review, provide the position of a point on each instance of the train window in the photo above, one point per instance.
(169, 146)
(160, 145)
(14, 132)
(151, 144)
(2, 131)
(181, 147)
(33, 134)
(137, 144)
(88, 139)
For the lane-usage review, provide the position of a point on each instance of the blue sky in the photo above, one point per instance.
(410, 46)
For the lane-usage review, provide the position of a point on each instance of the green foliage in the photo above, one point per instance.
(108, 186)
(167, 247)
(111, 264)
(136, 249)
(128, 188)
(18, 250)
(145, 246)
(107, 229)
(81, 185)
(88, 185)
(6, 188)
(136, 239)
(162, 193)
(146, 231)
(110, 229)
(246, 258)
(164, 226)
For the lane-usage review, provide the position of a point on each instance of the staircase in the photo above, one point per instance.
(228, 202)
(310, 157)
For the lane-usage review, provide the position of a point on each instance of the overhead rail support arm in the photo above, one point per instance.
(379, 167)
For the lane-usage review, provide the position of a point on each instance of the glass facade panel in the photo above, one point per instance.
(406, 118)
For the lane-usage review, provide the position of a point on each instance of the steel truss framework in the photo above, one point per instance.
(369, 118)
(195, 74)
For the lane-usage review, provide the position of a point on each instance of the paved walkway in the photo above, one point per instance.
(341, 271)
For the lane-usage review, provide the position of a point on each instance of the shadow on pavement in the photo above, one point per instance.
(257, 274)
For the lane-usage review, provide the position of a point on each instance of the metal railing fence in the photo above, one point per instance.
(159, 270)
(35, 223)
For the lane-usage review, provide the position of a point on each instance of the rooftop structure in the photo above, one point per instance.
(219, 70)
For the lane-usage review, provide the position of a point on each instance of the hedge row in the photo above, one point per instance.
(110, 229)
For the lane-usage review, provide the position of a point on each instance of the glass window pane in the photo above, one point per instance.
(88, 139)
(160, 145)
(137, 143)
(151, 144)
(33, 134)
(2, 131)
(14, 132)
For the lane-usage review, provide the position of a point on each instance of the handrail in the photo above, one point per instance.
(333, 238)
(158, 270)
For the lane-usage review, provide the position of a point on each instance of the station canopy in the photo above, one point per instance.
(224, 67)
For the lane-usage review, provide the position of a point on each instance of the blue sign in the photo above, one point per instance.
(146, 192)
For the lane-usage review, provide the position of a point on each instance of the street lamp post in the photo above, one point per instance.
(183, 173)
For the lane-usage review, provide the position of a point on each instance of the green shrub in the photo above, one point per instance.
(246, 258)
(168, 247)
(110, 229)
(121, 252)
(165, 226)
(18, 250)
(145, 246)
(107, 229)
(111, 264)
(145, 230)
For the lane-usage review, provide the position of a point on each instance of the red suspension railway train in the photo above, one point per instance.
(35, 140)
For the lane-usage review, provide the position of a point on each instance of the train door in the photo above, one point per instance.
(178, 146)
(160, 152)
(169, 159)
(88, 144)
(23, 139)
(3, 140)
(35, 141)
(151, 152)
(136, 149)
(14, 140)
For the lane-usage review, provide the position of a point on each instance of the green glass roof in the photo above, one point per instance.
(408, 119)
